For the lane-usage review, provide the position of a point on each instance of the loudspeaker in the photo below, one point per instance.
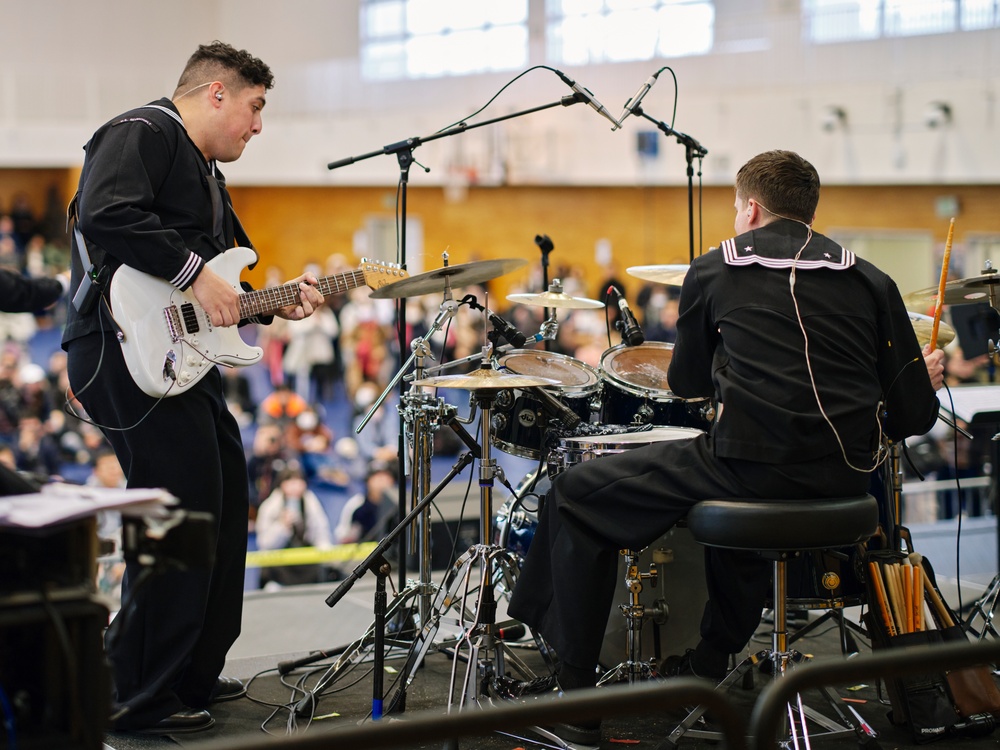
(53, 671)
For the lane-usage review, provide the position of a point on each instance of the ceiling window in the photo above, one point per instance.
(429, 38)
(851, 20)
(580, 32)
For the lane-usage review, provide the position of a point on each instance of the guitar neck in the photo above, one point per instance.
(271, 299)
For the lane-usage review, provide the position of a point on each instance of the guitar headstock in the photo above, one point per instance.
(378, 273)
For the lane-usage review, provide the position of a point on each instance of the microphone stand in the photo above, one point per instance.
(546, 246)
(403, 150)
(377, 564)
(692, 149)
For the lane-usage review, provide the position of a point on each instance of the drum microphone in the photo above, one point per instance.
(556, 408)
(631, 331)
(506, 330)
(632, 104)
(585, 96)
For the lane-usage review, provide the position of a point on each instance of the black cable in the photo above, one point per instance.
(493, 98)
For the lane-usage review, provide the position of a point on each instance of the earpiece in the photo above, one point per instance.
(218, 95)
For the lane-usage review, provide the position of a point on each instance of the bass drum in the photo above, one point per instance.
(681, 585)
(636, 390)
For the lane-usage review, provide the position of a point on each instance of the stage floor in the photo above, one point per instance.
(286, 625)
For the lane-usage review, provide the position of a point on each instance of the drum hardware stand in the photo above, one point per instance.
(477, 643)
(546, 246)
(373, 641)
(634, 669)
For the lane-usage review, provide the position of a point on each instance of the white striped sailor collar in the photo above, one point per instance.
(780, 251)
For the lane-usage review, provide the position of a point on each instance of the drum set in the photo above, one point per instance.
(531, 403)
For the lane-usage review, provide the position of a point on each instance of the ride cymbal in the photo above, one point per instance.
(485, 378)
(923, 326)
(456, 276)
(666, 274)
(958, 292)
(555, 297)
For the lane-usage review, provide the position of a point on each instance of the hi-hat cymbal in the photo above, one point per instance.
(667, 274)
(457, 276)
(923, 326)
(555, 297)
(957, 292)
(485, 379)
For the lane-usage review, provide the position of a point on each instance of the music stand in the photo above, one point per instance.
(980, 404)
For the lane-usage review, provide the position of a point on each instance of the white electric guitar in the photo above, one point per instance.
(169, 342)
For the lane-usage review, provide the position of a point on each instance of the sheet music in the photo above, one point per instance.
(58, 503)
(973, 403)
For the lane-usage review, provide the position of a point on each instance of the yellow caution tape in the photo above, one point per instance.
(268, 558)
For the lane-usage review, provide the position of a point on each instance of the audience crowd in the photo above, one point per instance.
(314, 481)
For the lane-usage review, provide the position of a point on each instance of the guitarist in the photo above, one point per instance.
(151, 197)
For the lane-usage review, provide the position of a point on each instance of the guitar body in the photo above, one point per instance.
(169, 342)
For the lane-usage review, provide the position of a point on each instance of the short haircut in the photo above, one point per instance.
(782, 182)
(219, 61)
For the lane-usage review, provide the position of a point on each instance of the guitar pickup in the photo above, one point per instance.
(190, 316)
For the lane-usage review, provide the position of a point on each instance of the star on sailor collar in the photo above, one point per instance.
(748, 249)
(827, 256)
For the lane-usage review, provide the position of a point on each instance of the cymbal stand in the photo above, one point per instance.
(483, 568)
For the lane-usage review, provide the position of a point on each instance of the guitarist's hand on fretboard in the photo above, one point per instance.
(217, 297)
(309, 299)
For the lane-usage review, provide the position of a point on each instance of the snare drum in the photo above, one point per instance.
(573, 450)
(636, 389)
(517, 414)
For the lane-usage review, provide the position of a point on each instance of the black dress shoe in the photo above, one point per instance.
(185, 720)
(227, 689)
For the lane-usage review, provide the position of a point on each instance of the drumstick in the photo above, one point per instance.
(941, 285)
(907, 572)
(883, 607)
(918, 590)
(936, 602)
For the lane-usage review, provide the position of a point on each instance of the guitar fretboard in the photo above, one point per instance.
(266, 301)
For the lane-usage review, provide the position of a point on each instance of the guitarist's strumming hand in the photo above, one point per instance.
(217, 297)
(309, 299)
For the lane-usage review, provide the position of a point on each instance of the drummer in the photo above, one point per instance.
(751, 311)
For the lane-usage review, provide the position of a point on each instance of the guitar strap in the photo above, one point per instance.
(219, 203)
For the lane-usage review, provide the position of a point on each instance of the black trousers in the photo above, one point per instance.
(627, 501)
(173, 645)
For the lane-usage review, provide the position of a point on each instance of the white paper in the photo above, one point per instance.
(58, 503)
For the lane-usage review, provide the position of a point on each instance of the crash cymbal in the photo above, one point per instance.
(555, 297)
(485, 379)
(923, 326)
(457, 276)
(668, 274)
(957, 292)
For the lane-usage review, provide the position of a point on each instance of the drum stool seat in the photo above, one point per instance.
(779, 530)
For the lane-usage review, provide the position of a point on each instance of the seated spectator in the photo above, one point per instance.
(267, 458)
(36, 451)
(369, 515)
(292, 516)
(281, 406)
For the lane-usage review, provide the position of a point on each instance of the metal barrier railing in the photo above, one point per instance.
(427, 726)
(769, 709)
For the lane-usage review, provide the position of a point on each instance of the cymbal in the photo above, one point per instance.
(555, 297)
(456, 276)
(923, 326)
(957, 292)
(667, 274)
(485, 379)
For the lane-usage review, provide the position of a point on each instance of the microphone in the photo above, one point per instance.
(588, 97)
(633, 103)
(506, 330)
(556, 408)
(631, 332)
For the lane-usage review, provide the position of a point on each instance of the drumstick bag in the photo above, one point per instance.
(922, 703)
